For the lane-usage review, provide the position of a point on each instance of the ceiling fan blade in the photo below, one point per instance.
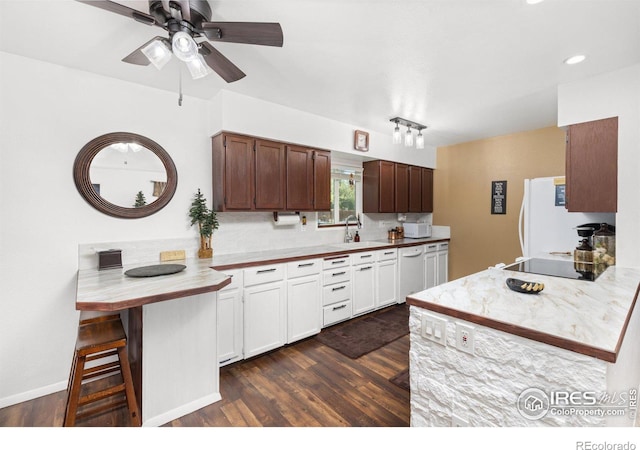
(244, 32)
(227, 70)
(122, 10)
(139, 58)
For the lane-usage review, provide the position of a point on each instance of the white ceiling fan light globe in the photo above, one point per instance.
(198, 67)
(184, 47)
(157, 53)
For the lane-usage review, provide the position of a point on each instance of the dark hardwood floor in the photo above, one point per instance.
(306, 384)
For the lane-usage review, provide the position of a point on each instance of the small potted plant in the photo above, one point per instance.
(140, 200)
(207, 223)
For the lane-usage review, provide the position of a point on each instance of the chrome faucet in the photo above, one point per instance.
(348, 237)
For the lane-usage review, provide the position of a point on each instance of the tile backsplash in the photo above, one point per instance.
(242, 232)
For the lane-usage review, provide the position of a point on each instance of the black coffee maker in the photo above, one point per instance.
(588, 229)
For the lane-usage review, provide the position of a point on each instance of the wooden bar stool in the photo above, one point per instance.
(99, 338)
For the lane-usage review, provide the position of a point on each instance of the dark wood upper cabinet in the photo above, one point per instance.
(427, 190)
(396, 187)
(415, 189)
(270, 175)
(321, 180)
(592, 166)
(401, 200)
(378, 186)
(233, 173)
(255, 174)
(299, 178)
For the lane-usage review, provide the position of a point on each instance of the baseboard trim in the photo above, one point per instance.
(35, 393)
(181, 411)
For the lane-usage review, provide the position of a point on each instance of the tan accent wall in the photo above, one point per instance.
(462, 193)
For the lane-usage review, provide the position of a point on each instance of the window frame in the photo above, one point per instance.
(338, 173)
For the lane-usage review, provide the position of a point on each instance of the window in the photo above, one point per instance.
(346, 196)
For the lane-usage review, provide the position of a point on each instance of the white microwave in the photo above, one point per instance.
(417, 230)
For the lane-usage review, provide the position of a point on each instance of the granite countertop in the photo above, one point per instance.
(240, 260)
(112, 290)
(582, 316)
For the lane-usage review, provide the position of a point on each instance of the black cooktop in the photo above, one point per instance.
(552, 267)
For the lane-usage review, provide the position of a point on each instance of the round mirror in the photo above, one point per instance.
(125, 175)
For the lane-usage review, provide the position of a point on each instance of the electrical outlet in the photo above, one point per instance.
(457, 421)
(434, 328)
(465, 338)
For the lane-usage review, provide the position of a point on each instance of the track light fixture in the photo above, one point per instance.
(408, 137)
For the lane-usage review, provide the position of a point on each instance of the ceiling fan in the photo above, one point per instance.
(185, 21)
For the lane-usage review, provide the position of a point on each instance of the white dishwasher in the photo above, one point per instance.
(411, 269)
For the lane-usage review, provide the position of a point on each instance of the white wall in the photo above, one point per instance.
(614, 94)
(47, 114)
(256, 117)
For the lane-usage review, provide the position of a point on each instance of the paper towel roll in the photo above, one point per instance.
(286, 219)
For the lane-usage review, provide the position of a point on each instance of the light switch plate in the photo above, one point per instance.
(434, 328)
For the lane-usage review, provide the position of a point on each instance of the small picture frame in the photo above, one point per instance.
(361, 141)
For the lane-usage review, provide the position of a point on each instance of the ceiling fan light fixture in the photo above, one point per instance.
(158, 53)
(198, 68)
(184, 47)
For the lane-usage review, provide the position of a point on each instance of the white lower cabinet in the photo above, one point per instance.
(364, 287)
(387, 283)
(265, 310)
(336, 290)
(230, 320)
(436, 264)
(431, 265)
(304, 300)
(443, 262)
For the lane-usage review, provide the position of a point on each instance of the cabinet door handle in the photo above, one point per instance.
(335, 308)
(338, 288)
(432, 246)
(266, 270)
(366, 268)
(337, 262)
(337, 274)
(412, 255)
(366, 256)
(306, 265)
(388, 253)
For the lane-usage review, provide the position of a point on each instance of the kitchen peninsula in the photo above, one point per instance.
(477, 346)
(171, 326)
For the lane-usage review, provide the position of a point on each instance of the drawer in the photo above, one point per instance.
(363, 258)
(386, 255)
(236, 280)
(303, 268)
(429, 248)
(263, 274)
(336, 313)
(336, 261)
(334, 276)
(443, 246)
(336, 293)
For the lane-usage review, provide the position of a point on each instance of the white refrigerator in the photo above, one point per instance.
(546, 228)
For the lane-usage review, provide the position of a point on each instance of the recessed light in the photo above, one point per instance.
(575, 59)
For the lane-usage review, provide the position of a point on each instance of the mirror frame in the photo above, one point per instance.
(82, 179)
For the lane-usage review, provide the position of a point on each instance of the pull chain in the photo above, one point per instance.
(180, 83)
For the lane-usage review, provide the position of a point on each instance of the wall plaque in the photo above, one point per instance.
(498, 197)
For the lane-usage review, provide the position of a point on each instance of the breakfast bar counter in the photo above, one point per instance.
(477, 346)
(171, 332)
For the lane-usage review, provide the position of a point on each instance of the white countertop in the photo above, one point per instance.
(112, 290)
(592, 315)
(234, 260)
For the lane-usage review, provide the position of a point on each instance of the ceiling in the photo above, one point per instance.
(468, 69)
